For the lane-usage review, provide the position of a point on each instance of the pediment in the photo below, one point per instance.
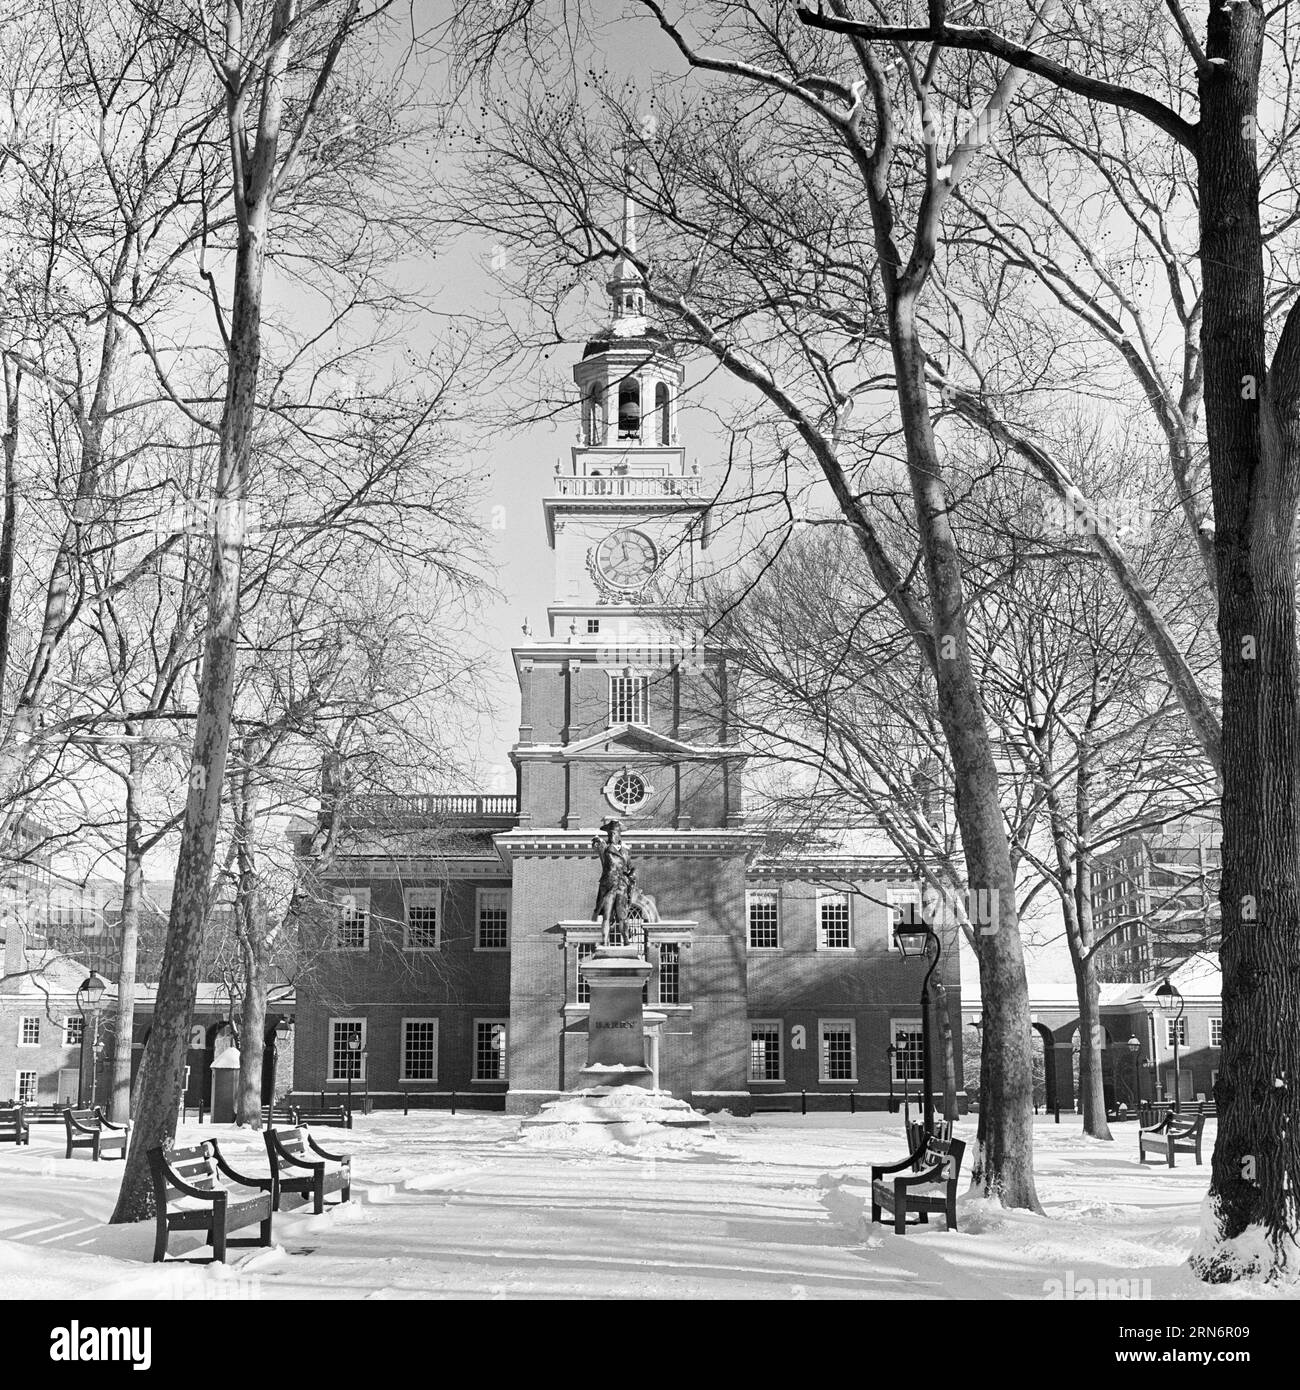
(632, 740)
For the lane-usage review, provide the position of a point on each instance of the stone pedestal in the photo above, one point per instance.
(615, 1027)
(618, 1098)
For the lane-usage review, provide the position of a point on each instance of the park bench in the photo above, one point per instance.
(188, 1197)
(1174, 1134)
(293, 1149)
(931, 1184)
(13, 1126)
(45, 1114)
(88, 1129)
(326, 1117)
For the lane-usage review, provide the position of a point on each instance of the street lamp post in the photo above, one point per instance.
(354, 1047)
(1134, 1047)
(89, 994)
(913, 935)
(890, 1053)
(1172, 1005)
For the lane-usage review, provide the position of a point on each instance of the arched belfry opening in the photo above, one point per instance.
(629, 408)
(662, 413)
(594, 417)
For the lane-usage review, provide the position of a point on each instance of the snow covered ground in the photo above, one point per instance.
(461, 1206)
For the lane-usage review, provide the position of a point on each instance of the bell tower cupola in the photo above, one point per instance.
(625, 518)
(629, 377)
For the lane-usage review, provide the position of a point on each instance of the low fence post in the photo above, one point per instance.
(853, 1102)
(803, 1102)
(453, 1102)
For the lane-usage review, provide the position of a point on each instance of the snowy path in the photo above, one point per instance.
(458, 1206)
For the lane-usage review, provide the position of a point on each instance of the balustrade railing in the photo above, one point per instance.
(435, 804)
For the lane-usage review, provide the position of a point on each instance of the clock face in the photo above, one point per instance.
(627, 559)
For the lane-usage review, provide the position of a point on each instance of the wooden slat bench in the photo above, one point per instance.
(13, 1126)
(88, 1129)
(188, 1197)
(1175, 1134)
(326, 1117)
(931, 1184)
(290, 1150)
(45, 1114)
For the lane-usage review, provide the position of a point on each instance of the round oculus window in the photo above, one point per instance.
(628, 790)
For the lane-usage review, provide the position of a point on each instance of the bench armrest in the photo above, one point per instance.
(206, 1194)
(879, 1170)
(935, 1174)
(295, 1162)
(106, 1123)
(325, 1153)
(72, 1122)
(242, 1179)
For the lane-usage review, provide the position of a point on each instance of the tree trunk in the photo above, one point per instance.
(1256, 1165)
(119, 1100)
(164, 1076)
(248, 1108)
(1003, 1165)
(1092, 1092)
(13, 376)
(947, 1051)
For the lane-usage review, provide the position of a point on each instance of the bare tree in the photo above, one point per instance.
(1252, 422)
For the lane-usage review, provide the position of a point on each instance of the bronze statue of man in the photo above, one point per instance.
(612, 892)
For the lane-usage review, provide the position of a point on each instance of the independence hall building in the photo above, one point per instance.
(448, 969)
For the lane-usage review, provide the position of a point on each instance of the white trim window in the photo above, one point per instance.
(352, 930)
(1216, 1032)
(29, 1030)
(765, 1060)
(492, 919)
(490, 1049)
(419, 1049)
(1181, 1025)
(582, 986)
(26, 1087)
(834, 932)
(898, 899)
(627, 699)
(838, 1049)
(763, 914)
(422, 929)
(346, 1062)
(909, 1055)
(670, 973)
(74, 1030)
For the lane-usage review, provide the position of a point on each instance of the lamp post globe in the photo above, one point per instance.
(912, 935)
(1171, 1004)
(90, 993)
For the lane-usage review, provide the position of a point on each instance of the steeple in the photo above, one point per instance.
(626, 285)
(629, 376)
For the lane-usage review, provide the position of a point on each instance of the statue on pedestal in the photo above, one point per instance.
(613, 890)
(620, 903)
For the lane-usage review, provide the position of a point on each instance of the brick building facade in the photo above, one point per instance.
(450, 967)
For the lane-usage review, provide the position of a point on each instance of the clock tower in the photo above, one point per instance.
(625, 517)
(623, 711)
